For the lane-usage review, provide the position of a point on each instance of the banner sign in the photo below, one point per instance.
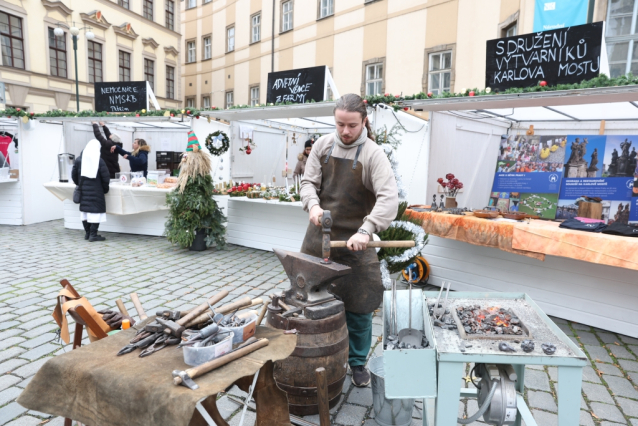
(298, 86)
(555, 14)
(563, 56)
(122, 96)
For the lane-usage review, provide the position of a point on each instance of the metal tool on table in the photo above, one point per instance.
(439, 312)
(141, 344)
(185, 378)
(159, 344)
(410, 337)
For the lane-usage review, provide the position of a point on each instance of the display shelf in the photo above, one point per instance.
(9, 181)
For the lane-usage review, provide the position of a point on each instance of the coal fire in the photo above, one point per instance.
(490, 321)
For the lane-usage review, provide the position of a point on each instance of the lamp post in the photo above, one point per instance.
(75, 31)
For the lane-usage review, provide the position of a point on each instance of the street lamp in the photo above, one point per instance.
(75, 31)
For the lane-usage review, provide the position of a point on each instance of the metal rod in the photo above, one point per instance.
(77, 84)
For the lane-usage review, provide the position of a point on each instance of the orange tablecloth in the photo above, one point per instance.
(534, 239)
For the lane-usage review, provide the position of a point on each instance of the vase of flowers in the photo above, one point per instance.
(451, 188)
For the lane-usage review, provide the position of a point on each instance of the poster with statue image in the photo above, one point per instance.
(604, 167)
(528, 174)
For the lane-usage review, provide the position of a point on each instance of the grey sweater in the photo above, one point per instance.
(378, 178)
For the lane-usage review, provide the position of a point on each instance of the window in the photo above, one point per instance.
(125, 66)
(190, 49)
(511, 31)
(57, 54)
(229, 99)
(191, 4)
(254, 96)
(123, 3)
(286, 16)
(170, 14)
(95, 62)
(230, 36)
(147, 9)
(12, 41)
(326, 8)
(374, 79)
(207, 1)
(206, 102)
(208, 48)
(440, 72)
(622, 37)
(149, 72)
(255, 34)
(190, 103)
(170, 82)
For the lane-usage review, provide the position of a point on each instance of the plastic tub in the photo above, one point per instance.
(387, 412)
(198, 356)
(244, 332)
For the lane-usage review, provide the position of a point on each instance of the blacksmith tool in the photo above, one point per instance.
(185, 378)
(142, 344)
(196, 312)
(138, 306)
(244, 302)
(169, 315)
(162, 342)
(121, 307)
(410, 337)
(174, 328)
(439, 312)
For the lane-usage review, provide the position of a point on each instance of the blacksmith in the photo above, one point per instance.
(348, 174)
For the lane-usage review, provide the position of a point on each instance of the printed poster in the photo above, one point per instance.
(528, 174)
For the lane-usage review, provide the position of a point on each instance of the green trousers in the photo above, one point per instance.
(360, 334)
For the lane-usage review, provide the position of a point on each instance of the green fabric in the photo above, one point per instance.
(360, 335)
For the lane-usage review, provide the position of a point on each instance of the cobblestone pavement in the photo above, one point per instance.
(36, 257)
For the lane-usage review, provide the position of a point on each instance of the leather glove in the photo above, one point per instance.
(114, 319)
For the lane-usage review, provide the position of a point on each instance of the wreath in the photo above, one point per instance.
(217, 143)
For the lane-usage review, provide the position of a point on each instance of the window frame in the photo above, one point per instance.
(189, 50)
(207, 52)
(11, 38)
(169, 15)
(232, 100)
(170, 82)
(228, 38)
(57, 50)
(204, 98)
(378, 79)
(126, 4)
(122, 55)
(148, 9)
(253, 26)
(190, 102)
(290, 13)
(191, 4)
(631, 39)
(441, 71)
(513, 26)
(251, 100)
(92, 61)
(150, 74)
(330, 4)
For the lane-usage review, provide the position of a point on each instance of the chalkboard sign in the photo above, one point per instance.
(298, 86)
(563, 56)
(121, 96)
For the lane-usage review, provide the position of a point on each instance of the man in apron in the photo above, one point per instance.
(348, 174)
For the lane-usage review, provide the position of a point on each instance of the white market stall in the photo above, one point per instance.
(465, 134)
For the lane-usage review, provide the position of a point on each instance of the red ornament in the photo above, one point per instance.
(137, 115)
(543, 83)
(9, 117)
(429, 94)
(172, 115)
(386, 94)
(248, 151)
(472, 93)
(197, 117)
(33, 113)
(188, 111)
(18, 109)
(396, 96)
(365, 101)
(405, 108)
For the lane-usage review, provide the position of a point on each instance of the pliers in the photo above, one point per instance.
(147, 341)
(159, 344)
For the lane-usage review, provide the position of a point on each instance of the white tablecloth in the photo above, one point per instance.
(121, 199)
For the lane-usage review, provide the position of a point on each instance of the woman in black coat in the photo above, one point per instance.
(107, 147)
(92, 176)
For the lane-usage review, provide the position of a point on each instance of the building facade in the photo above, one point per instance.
(370, 46)
(133, 40)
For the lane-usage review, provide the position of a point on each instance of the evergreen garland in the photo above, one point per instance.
(210, 145)
(194, 209)
(399, 234)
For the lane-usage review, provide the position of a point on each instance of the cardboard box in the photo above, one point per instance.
(14, 174)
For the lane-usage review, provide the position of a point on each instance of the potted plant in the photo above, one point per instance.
(450, 189)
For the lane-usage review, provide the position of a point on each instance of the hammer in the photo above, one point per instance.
(176, 328)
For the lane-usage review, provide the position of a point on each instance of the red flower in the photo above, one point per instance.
(455, 181)
(396, 96)
(449, 176)
(459, 185)
(387, 94)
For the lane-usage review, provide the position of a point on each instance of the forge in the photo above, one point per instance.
(489, 322)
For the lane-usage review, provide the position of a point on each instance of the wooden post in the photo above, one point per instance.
(322, 397)
(601, 131)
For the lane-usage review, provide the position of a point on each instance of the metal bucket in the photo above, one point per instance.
(387, 412)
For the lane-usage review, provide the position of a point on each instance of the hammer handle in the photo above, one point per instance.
(223, 360)
(382, 244)
(138, 306)
(202, 308)
(227, 308)
(121, 307)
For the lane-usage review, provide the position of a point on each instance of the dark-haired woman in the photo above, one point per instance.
(348, 174)
(138, 159)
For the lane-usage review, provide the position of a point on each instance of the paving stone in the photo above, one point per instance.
(629, 407)
(10, 353)
(7, 380)
(23, 384)
(587, 338)
(607, 337)
(609, 369)
(30, 369)
(597, 393)
(351, 415)
(629, 340)
(606, 423)
(621, 387)
(544, 418)
(607, 412)
(597, 353)
(542, 400)
(25, 421)
(10, 342)
(621, 352)
(249, 419)
(585, 419)
(9, 394)
(11, 364)
(536, 379)
(634, 422)
(10, 412)
(360, 396)
(628, 365)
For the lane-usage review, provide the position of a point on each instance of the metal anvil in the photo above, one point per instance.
(309, 278)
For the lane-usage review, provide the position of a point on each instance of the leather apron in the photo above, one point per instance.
(349, 201)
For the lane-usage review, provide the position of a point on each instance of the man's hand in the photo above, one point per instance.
(358, 242)
(125, 156)
(112, 149)
(315, 215)
(93, 122)
(102, 123)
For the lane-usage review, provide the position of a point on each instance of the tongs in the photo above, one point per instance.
(439, 312)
